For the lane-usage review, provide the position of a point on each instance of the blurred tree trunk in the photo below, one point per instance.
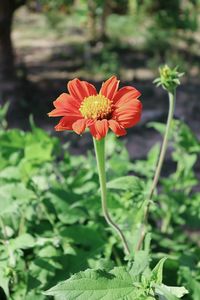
(6, 50)
(132, 7)
(7, 68)
(92, 26)
(105, 14)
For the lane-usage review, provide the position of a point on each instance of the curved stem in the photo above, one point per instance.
(99, 147)
(172, 97)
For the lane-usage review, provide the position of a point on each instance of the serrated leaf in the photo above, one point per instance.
(97, 285)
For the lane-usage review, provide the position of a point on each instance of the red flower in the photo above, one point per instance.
(110, 108)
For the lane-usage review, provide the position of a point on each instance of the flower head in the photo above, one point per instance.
(110, 108)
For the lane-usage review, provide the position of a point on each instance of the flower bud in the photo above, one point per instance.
(169, 78)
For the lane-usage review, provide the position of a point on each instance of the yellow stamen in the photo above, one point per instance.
(96, 107)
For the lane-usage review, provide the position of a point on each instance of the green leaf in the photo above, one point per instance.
(170, 293)
(78, 234)
(33, 296)
(67, 214)
(23, 241)
(141, 262)
(147, 167)
(125, 183)
(147, 242)
(42, 152)
(4, 280)
(157, 272)
(97, 285)
(177, 291)
(160, 127)
(10, 173)
(12, 195)
(192, 281)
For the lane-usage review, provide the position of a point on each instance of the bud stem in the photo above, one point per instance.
(172, 96)
(164, 144)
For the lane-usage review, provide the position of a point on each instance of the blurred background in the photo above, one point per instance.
(45, 43)
(49, 199)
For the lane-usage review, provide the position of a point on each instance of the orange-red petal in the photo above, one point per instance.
(65, 105)
(65, 123)
(109, 88)
(99, 129)
(128, 114)
(116, 128)
(125, 94)
(79, 126)
(80, 89)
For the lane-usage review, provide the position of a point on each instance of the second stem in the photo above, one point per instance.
(164, 144)
(172, 97)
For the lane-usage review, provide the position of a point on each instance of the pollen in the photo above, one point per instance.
(96, 107)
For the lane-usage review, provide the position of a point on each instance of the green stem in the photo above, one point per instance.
(99, 147)
(172, 96)
(164, 144)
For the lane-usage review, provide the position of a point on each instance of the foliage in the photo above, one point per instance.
(106, 62)
(50, 215)
(173, 14)
(119, 283)
(171, 23)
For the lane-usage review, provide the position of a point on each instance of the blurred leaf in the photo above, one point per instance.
(13, 191)
(193, 284)
(131, 183)
(141, 262)
(147, 167)
(170, 293)
(23, 241)
(4, 280)
(160, 127)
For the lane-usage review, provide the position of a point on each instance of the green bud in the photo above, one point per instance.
(169, 78)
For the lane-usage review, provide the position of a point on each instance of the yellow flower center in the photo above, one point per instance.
(96, 107)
